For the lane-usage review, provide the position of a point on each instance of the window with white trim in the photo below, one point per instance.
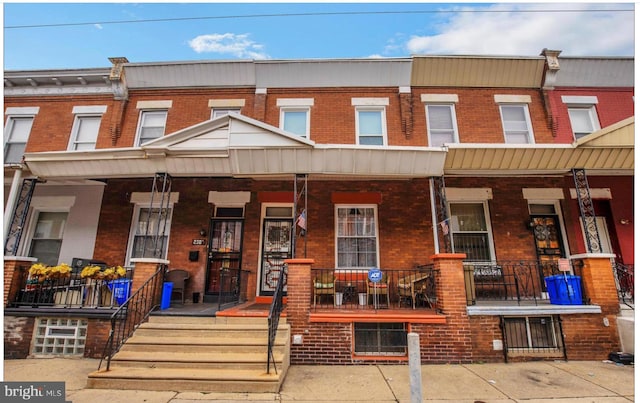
(151, 125)
(295, 120)
(16, 135)
(584, 120)
(356, 236)
(84, 134)
(516, 123)
(442, 127)
(470, 231)
(46, 240)
(150, 232)
(371, 126)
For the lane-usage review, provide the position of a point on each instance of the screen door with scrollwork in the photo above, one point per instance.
(276, 246)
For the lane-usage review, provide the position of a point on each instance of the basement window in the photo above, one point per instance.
(533, 334)
(59, 336)
(380, 339)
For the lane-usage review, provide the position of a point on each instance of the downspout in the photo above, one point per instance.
(16, 184)
(434, 217)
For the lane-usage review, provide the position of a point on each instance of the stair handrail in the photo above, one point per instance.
(623, 276)
(133, 312)
(274, 318)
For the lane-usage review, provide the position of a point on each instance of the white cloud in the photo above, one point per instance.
(236, 45)
(510, 32)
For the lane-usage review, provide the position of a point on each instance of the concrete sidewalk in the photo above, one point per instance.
(533, 382)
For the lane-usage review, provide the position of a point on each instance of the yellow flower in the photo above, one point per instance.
(90, 271)
(39, 269)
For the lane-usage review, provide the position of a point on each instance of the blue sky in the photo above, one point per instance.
(85, 35)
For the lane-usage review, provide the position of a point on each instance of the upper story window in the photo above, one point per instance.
(221, 107)
(516, 123)
(153, 119)
(86, 127)
(440, 110)
(582, 113)
(371, 121)
(16, 132)
(295, 115)
(357, 236)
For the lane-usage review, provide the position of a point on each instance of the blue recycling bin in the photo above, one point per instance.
(564, 289)
(167, 289)
(120, 289)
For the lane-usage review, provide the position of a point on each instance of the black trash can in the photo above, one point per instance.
(196, 297)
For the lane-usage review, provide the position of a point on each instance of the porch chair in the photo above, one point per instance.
(411, 286)
(375, 290)
(179, 279)
(324, 284)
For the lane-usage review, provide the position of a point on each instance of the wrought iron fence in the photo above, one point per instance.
(70, 291)
(135, 310)
(273, 319)
(394, 288)
(623, 275)
(523, 282)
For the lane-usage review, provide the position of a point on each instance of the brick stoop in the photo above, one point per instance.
(179, 353)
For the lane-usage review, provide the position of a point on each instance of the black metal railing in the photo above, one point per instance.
(71, 291)
(273, 319)
(352, 288)
(523, 282)
(134, 311)
(623, 275)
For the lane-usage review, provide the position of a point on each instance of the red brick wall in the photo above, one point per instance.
(52, 125)
(97, 336)
(614, 105)
(485, 330)
(588, 338)
(17, 336)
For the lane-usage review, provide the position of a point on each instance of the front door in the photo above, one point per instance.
(548, 242)
(276, 247)
(223, 280)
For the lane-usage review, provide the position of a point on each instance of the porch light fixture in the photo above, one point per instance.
(203, 232)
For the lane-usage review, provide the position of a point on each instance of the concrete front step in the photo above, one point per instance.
(163, 359)
(187, 379)
(198, 354)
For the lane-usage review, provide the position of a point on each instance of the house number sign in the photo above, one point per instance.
(198, 242)
(375, 275)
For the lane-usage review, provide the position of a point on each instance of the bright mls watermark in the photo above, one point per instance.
(33, 392)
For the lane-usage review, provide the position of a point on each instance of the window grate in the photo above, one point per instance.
(380, 339)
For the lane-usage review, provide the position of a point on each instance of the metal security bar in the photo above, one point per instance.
(159, 204)
(19, 217)
(587, 212)
(396, 289)
(442, 213)
(300, 212)
(523, 282)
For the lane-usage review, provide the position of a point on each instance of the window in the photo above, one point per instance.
(151, 126)
(380, 339)
(59, 336)
(295, 120)
(532, 334)
(295, 115)
(516, 124)
(150, 232)
(217, 112)
(85, 132)
(16, 134)
(356, 237)
(370, 126)
(441, 125)
(583, 121)
(47, 237)
(470, 231)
